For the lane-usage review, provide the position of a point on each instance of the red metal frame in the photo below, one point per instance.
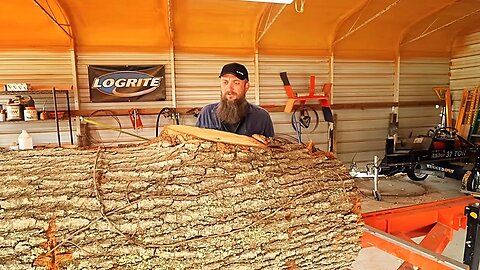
(436, 221)
(323, 98)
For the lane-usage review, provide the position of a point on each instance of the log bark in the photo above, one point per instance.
(179, 204)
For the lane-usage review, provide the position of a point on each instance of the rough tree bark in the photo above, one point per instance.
(178, 204)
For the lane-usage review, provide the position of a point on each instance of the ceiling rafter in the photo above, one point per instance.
(171, 32)
(365, 22)
(267, 22)
(409, 35)
(360, 15)
(426, 15)
(439, 28)
(343, 19)
(52, 17)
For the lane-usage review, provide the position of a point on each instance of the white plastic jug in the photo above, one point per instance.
(25, 141)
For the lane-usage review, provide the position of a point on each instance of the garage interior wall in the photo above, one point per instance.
(360, 132)
(120, 121)
(299, 69)
(36, 68)
(418, 77)
(377, 54)
(465, 65)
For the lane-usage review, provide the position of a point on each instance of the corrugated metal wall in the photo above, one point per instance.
(36, 68)
(465, 64)
(100, 134)
(417, 79)
(272, 92)
(361, 133)
(197, 80)
(197, 84)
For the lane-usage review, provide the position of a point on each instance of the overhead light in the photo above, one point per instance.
(273, 1)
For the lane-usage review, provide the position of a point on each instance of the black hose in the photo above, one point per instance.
(166, 112)
(304, 114)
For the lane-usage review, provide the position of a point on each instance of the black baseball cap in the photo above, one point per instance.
(239, 70)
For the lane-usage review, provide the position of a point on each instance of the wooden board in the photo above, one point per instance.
(212, 135)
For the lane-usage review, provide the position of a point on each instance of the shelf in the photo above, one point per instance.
(45, 92)
(39, 88)
(51, 90)
(32, 121)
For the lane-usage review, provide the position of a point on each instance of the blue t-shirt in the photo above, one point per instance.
(257, 121)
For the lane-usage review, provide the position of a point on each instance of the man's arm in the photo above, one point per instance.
(206, 118)
(269, 131)
(201, 119)
(264, 124)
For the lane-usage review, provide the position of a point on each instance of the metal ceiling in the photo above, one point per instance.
(368, 29)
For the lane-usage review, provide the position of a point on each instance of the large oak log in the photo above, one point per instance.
(177, 203)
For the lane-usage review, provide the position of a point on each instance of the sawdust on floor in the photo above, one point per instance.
(398, 191)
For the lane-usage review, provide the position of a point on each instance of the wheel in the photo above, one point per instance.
(470, 180)
(415, 176)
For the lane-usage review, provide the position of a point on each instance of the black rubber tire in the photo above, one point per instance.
(469, 182)
(416, 176)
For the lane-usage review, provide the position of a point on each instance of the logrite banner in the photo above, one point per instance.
(126, 83)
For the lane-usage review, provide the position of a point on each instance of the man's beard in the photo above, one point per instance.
(232, 111)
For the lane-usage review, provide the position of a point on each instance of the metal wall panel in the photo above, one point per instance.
(298, 70)
(85, 59)
(272, 92)
(466, 45)
(42, 133)
(36, 68)
(465, 63)
(106, 136)
(418, 77)
(197, 82)
(359, 81)
(361, 133)
(417, 120)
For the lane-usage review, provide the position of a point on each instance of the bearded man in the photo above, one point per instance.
(234, 113)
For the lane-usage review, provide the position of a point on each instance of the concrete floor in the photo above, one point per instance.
(399, 191)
